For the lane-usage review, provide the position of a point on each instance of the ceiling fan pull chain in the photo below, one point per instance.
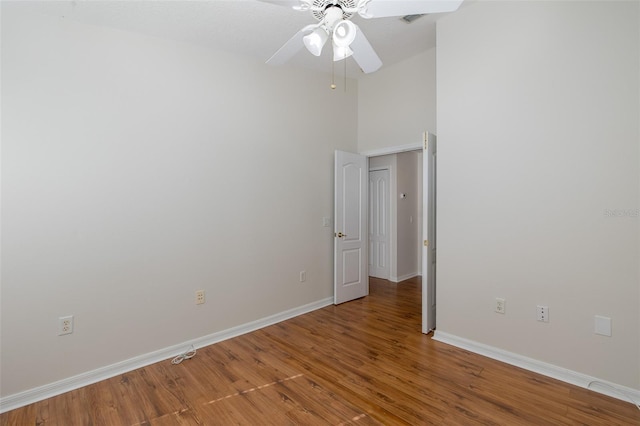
(333, 75)
(345, 72)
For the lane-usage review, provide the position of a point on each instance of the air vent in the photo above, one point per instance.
(410, 18)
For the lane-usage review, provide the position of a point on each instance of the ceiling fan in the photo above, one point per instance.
(334, 23)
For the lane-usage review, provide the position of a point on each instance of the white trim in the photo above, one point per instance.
(392, 150)
(65, 385)
(404, 277)
(377, 169)
(407, 276)
(549, 370)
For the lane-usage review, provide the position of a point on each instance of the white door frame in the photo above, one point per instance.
(392, 150)
(429, 233)
(397, 150)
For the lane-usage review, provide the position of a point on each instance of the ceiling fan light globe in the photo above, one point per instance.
(344, 33)
(341, 52)
(315, 41)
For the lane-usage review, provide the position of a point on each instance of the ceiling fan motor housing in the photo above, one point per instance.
(319, 7)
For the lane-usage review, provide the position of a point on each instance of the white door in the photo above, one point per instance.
(351, 279)
(429, 233)
(379, 256)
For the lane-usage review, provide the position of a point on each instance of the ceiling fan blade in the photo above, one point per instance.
(384, 8)
(291, 47)
(363, 53)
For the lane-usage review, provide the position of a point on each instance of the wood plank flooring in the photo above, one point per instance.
(360, 363)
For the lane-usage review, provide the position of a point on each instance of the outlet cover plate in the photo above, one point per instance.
(65, 325)
(542, 313)
(603, 325)
(200, 297)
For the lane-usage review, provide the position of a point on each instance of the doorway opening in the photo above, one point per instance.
(395, 215)
(351, 230)
(425, 218)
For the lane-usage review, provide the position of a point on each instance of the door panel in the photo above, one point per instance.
(351, 279)
(351, 271)
(379, 224)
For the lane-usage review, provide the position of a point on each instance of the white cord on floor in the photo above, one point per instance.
(186, 355)
(619, 391)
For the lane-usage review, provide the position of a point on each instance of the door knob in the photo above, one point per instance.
(340, 235)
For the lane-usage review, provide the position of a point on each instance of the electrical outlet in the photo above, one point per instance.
(199, 297)
(303, 276)
(543, 313)
(500, 305)
(65, 325)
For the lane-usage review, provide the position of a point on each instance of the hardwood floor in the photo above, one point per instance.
(360, 363)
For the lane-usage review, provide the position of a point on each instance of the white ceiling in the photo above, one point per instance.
(247, 27)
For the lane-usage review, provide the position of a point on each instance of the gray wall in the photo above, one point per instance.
(137, 170)
(538, 142)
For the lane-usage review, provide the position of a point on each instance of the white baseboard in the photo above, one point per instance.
(56, 388)
(568, 376)
(394, 279)
(403, 277)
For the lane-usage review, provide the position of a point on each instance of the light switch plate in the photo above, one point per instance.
(603, 325)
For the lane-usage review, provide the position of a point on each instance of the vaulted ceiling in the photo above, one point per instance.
(246, 27)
